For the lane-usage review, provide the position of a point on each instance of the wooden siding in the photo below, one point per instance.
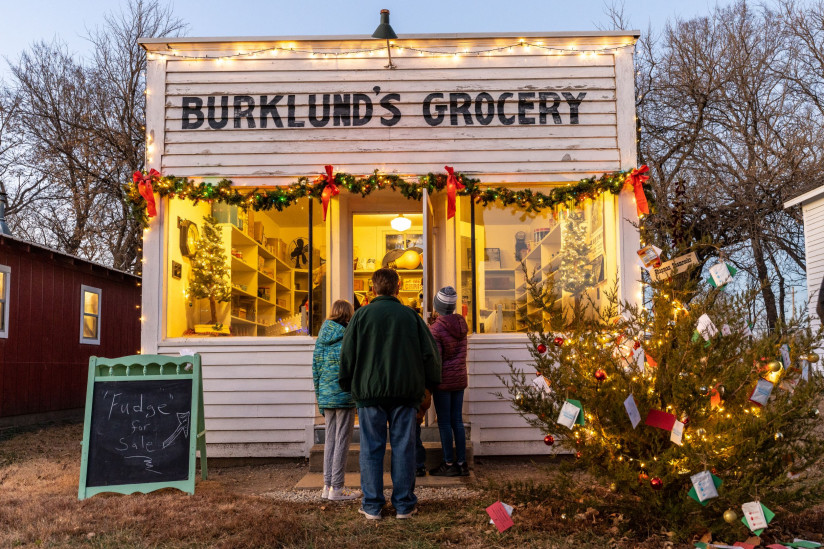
(43, 365)
(514, 153)
(814, 250)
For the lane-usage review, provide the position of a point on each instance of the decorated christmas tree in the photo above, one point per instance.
(210, 271)
(695, 421)
(574, 254)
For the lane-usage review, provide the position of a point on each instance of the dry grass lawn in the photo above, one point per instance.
(39, 470)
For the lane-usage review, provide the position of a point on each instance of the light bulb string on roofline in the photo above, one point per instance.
(255, 54)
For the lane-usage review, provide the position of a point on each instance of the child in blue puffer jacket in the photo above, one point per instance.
(335, 404)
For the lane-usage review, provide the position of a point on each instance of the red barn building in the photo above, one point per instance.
(55, 312)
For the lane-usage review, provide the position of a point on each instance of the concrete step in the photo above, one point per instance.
(428, 434)
(314, 481)
(434, 455)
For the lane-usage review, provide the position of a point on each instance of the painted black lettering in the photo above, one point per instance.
(573, 103)
(505, 120)
(244, 106)
(192, 107)
(484, 118)
(525, 103)
(269, 108)
(313, 111)
(463, 108)
(293, 123)
(359, 99)
(439, 110)
(341, 110)
(395, 111)
(544, 109)
(224, 112)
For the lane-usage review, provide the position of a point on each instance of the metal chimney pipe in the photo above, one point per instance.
(4, 229)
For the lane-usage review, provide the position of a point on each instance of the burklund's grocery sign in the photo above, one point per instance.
(360, 109)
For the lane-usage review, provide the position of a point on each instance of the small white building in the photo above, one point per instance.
(812, 208)
(521, 111)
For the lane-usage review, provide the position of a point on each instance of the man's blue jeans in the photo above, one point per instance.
(372, 421)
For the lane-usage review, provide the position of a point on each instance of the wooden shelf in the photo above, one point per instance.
(266, 278)
(265, 253)
(243, 321)
(267, 302)
(238, 291)
(242, 266)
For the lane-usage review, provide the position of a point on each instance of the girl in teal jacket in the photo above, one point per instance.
(335, 404)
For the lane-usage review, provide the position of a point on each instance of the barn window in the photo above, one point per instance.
(5, 273)
(90, 315)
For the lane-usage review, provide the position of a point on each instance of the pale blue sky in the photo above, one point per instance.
(25, 21)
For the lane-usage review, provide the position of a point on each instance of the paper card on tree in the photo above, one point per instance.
(632, 411)
(805, 371)
(651, 361)
(501, 519)
(569, 414)
(541, 384)
(704, 486)
(508, 508)
(720, 274)
(650, 257)
(706, 328)
(778, 546)
(580, 419)
(785, 356)
(726, 330)
(677, 433)
(756, 516)
(761, 392)
(693, 493)
(662, 420)
(746, 331)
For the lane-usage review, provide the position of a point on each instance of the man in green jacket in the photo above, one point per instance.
(388, 357)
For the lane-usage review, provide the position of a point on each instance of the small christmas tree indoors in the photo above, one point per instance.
(672, 405)
(574, 254)
(210, 271)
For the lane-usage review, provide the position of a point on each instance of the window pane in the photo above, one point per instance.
(319, 270)
(2, 316)
(89, 327)
(513, 248)
(90, 303)
(249, 277)
(463, 260)
(2, 286)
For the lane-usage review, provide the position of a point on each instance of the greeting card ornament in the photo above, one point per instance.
(756, 516)
(761, 393)
(636, 179)
(329, 190)
(704, 486)
(650, 257)
(572, 413)
(662, 420)
(721, 274)
(144, 187)
(706, 327)
(453, 185)
(632, 411)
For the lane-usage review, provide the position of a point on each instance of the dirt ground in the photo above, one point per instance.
(252, 506)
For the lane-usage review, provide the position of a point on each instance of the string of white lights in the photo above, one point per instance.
(276, 50)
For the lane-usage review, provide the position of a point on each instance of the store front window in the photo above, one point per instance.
(267, 276)
(566, 251)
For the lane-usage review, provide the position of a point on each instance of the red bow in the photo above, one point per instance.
(144, 187)
(329, 190)
(452, 188)
(636, 178)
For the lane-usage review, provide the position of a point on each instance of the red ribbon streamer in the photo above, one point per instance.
(636, 178)
(329, 190)
(144, 187)
(452, 188)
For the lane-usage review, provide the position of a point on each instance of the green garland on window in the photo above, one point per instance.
(281, 197)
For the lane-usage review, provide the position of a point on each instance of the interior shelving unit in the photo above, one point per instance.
(411, 280)
(541, 262)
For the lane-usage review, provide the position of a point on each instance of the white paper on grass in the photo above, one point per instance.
(541, 384)
(569, 413)
(507, 508)
(706, 328)
(762, 392)
(754, 515)
(677, 433)
(632, 411)
(720, 274)
(704, 485)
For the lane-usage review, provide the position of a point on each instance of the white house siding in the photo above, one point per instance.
(258, 392)
(814, 249)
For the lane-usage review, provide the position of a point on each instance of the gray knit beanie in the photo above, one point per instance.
(445, 300)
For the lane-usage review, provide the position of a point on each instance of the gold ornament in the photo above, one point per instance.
(613, 487)
(730, 516)
(812, 358)
(779, 435)
(519, 399)
(774, 366)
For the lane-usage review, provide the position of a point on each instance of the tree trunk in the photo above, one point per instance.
(764, 279)
(213, 310)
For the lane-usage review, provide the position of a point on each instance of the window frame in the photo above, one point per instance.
(5, 270)
(90, 289)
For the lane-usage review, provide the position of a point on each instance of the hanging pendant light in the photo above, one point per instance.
(401, 223)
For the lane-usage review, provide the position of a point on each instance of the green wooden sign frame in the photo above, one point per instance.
(148, 368)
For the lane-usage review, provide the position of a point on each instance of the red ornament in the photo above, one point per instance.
(636, 344)
(549, 440)
(541, 348)
(600, 375)
(578, 454)
(656, 483)
(642, 476)
(558, 341)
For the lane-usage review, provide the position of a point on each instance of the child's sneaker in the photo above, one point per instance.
(342, 494)
(444, 470)
(464, 467)
(368, 516)
(325, 493)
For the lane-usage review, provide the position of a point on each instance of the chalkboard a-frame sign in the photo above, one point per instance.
(144, 424)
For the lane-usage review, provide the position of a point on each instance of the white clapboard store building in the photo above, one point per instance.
(526, 111)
